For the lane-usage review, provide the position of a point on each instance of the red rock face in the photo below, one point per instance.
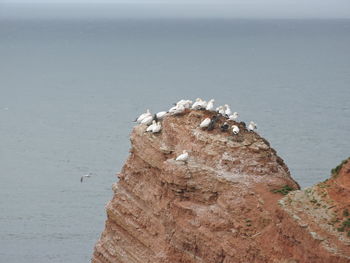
(221, 206)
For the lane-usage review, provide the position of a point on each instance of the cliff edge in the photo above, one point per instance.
(224, 205)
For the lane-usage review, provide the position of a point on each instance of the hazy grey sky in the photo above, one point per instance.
(176, 8)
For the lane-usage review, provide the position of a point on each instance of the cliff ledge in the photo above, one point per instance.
(225, 205)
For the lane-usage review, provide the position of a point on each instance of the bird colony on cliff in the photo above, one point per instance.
(154, 125)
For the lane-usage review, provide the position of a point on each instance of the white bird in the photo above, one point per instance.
(228, 111)
(160, 115)
(85, 176)
(182, 157)
(203, 104)
(143, 115)
(235, 129)
(205, 123)
(186, 103)
(210, 105)
(147, 120)
(233, 117)
(197, 104)
(172, 109)
(252, 126)
(157, 127)
(150, 128)
(221, 110)
(179, 109)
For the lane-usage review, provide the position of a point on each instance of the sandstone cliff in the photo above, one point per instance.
(223, 206)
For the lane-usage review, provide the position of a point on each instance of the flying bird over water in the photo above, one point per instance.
(85, 176)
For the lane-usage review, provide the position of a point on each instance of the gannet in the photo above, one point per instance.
(221, 110)
(85, 176)
(160, 115)
(224, 127)
(227, 110)
(182, 157)
(197, 104)
(147, 120)
(186, 103)
(150, 128)
(213, 120)
(172, 109)
(233, 117)
(203, 105)
(252, 126)
(205, 123)
(210, 105)
(143, 115)
(179, 109)
(157, 127)
(235, 129)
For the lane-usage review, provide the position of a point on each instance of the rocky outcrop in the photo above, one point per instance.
(223, 206)
(315, 222)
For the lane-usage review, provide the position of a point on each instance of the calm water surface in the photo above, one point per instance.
(69, 89)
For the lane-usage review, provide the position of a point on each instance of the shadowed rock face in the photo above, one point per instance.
(221, 206)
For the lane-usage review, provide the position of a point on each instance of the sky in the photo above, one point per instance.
(308, 9)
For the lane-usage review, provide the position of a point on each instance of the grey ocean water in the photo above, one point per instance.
(69, 90)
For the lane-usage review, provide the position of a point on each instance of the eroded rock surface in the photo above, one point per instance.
(222, 206)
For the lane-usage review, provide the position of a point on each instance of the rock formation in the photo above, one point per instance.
(223, 206)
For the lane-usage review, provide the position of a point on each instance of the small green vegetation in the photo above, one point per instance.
(340, 229)
(323, 185)
(283, 190)
(314, 201)
(345, 226)
(336, 170)
(346, 212)
(346, 223)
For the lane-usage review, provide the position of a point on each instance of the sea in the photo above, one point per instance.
(70, 89)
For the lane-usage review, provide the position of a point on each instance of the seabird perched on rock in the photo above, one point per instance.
(160, 115)
(228, 111)
(150, 128)
(186, 103)
(252, 126)
(205, 123)
(182, 157)
(157, 128)
(210, 105)
(212, 123)
(221, 110)
(235, 129)
(143, 115)
(177, 110)
(224, 127)
(85, 176)
(196, 104)
(234, 116)
(199, 104)
(147, 120)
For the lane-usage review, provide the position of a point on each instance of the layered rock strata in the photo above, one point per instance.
(222, 206)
